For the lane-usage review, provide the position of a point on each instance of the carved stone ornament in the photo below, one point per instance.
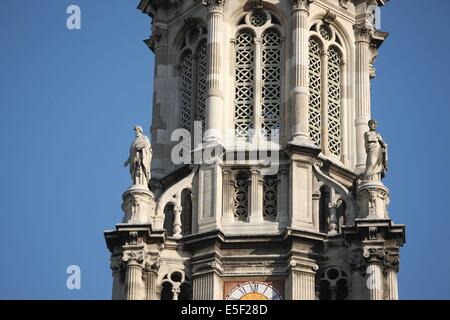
(116, 264)
(392, 259)
(151, 264)
(329, 17)
(374, 254)
(344, 3)
(258, 4)
(159, 37)
(301, 4)
(363, 32)
(214, 5)
(133, 257)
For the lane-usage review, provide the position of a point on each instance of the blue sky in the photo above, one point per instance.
(69, 100)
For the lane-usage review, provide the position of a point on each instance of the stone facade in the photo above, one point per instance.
(314, 228)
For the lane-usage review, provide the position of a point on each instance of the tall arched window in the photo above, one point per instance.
(243, 99)
(315, 73)
(325, 85)
(193, 69)
(257, 74)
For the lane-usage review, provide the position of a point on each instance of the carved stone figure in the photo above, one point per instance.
(140, 158)
(377, 157)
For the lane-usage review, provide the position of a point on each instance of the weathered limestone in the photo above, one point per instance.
(300, 90)
(362, 100)
(220, 226)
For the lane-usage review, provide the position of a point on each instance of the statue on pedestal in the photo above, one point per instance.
(140, 158)
(377, 157)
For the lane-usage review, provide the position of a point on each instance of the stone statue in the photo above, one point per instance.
(140, 158)
(377, 157)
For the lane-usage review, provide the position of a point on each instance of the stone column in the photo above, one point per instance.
(357, 265)
(301, 281)
(375, 279)
(344, 114)
(362, 102)
(151, 276)
(228, 195)
(392, 266)
(324, 57)
(283, 197)
(134, 285)
(117, 268)
(300, 62)
(177, 230)
(214, 99)
(158, 43)
(207, 284)
(256, 196)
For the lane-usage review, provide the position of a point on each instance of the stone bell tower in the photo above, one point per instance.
(266, 180)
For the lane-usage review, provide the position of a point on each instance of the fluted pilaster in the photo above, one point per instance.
(134, 285)
(214, 97)
(117, 269)
(363, 35)
(375, 279)
(300, 91)
(256, 196)
(301, 283)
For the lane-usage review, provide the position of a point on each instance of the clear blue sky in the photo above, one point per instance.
(69, 100)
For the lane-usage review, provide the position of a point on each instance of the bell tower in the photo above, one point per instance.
(266, 174)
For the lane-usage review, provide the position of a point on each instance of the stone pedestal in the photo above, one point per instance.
(373, 199)
(138, 205)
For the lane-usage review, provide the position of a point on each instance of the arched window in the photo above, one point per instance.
(257, 97)
(186, 91)
(243, 99)
(169, 219)
(325, 86)
(315, 73)
(333, 284)
(186, 214)
(193, 73)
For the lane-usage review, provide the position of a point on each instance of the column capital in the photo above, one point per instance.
(374, 254)
(392, 259)
(158, 38)
(214, 6)
(363, 32)
(301, 5)
(303, 266)
(117, 264)
(133, 258)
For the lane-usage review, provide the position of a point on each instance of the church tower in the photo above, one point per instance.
(265, 176)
